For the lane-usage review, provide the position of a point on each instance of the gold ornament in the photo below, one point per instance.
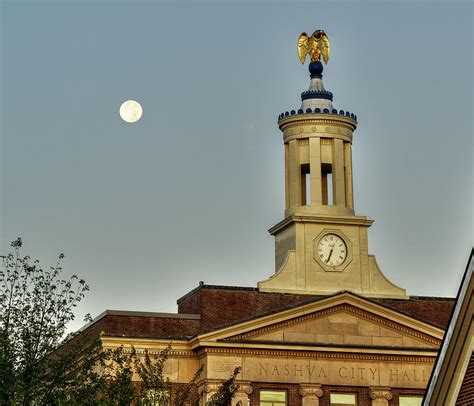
(315, 46)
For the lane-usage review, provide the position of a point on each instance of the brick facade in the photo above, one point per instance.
(433, 310)
(142, 326)
(219, 306)
(239, 304)
(466, 393)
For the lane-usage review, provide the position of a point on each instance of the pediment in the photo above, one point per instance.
(343, 324)
(342, 320)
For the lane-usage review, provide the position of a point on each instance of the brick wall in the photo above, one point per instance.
(466, 393)
(141, 326)
(432, 310)
(219, 306)
(144, 326)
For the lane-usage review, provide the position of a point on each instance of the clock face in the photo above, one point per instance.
(332, 250)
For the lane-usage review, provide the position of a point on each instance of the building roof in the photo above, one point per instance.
(211, 307)
(452, 380)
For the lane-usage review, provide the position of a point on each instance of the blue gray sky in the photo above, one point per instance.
(144, 212)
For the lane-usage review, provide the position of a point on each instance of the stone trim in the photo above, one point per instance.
(245, 387)
(315, 119)
(321, 355)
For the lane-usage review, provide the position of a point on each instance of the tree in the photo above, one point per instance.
(102, 377)
(42, 365)
(35, 308)
(39, 363)
(154, 388)
(225, 392)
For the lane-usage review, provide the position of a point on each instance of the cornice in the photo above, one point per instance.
(153, 346)
(320, 218)
(315, 119)
(343, 355)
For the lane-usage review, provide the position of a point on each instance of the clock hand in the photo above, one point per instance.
(330, 253)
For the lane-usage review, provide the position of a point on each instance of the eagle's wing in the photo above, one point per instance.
(325, 48)
(303, 46)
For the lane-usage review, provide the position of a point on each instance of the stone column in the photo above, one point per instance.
(310, 394)
(315, 171)
(242, 394)
(348, 175)
(338, 188)
(287, 177)
(294, 172)
(380, 396)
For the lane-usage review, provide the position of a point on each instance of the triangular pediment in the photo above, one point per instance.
(342, 324)
(341, 320)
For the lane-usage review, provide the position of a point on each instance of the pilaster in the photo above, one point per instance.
(206, 389)
(315, 171)
(339, 192)
(294, 174)
(348, 175)
(287, 177)
(242, 394)
(310, 394)
(380, 396)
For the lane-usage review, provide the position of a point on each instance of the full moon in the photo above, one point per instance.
(131, 111)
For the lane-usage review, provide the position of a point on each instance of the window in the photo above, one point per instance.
(305, 185)
(326, 184)
(343, 399)
(272, 397)
(410, 400)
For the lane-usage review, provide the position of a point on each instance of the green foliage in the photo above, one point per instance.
(154, 388)
(35, 308)
(102, 377)
(226, 391)
(41, 365)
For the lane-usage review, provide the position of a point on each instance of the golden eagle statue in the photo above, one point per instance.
(315, 46)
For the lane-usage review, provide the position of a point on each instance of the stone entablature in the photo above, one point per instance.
(283, 368)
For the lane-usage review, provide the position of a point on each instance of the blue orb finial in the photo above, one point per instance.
(316, 69)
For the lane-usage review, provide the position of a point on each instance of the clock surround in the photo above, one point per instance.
(322, 263)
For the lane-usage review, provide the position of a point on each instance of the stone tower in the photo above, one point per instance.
(321, 245)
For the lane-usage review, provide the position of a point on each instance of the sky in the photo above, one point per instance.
(145, 211)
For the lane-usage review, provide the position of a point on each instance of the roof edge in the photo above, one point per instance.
(255, 289)
(108, 312)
